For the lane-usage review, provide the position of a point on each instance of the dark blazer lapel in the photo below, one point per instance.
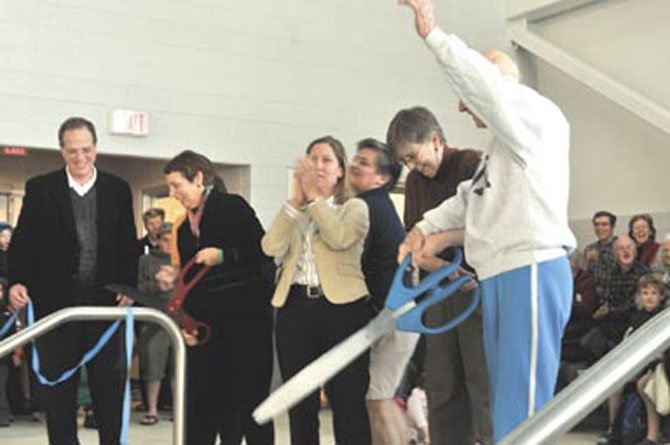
(105, 204)
(61, 193)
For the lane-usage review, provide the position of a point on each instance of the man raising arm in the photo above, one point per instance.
(514, 216)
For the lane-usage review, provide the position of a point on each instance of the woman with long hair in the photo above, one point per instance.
(229, 374)
(318, 237)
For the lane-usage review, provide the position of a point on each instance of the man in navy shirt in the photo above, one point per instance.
(372, 175)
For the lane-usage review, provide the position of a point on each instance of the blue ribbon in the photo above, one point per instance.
(8, 324)
(104, 339)
(125, 421)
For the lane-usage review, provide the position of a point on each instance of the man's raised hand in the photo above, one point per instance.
(424, 18)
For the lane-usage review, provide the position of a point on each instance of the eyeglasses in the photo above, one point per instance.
(410, 159)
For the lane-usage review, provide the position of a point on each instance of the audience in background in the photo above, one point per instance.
(153, 220)
(5, 362)
(613, 314)
(154, 343)
(648, 303)
(584, 303)
(5, 239)
(599, 256)
(641, 229)
(661, 265)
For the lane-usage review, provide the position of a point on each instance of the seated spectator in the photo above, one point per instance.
(649, 302)
(651, 297)
(584, 303)
(661, 265)
(613, 315)
(641, 229)
(154, 345)
(598, 255)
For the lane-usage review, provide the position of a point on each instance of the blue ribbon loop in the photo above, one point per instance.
(125, 421)
(8, 324)
(88, 356)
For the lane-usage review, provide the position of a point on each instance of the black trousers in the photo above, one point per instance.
(306, 328)
(4, 400)
(227, 378)
(60, 350)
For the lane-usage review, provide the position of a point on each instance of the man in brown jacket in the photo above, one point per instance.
(456, 377)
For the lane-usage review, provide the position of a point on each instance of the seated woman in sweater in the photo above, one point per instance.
(318, 236)
(641, 229)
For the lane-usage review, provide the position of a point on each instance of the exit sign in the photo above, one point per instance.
(133, 123)
(11, 150)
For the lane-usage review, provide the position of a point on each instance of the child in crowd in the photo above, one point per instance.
(649, 301)
(651, 296)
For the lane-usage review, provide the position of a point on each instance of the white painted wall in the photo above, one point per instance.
(619, 162)
(242, 82)
(623, 39)
(253, 82)
(619, 155)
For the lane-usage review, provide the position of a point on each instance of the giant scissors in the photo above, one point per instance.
(400, 310)
(173, 306)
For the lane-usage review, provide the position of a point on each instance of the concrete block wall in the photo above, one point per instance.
(242, 82)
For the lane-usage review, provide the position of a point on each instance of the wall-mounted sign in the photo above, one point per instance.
(11, 150)
(133, 123)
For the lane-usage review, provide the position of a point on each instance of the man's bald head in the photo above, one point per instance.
(507, 68)
(625, 251)
(505, 64)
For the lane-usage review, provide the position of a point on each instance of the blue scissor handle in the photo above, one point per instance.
(412, 320)
(400, 294)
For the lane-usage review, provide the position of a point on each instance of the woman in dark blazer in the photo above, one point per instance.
(230, 374)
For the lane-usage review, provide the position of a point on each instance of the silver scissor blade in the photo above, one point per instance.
(314, 375)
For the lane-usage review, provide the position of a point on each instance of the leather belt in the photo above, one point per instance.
(308, 291)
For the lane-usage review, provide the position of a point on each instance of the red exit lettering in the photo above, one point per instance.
(15, 151)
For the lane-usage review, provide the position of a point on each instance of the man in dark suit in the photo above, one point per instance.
(74, 235)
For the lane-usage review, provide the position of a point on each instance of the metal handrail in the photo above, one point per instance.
(589, 390)
(85, 313)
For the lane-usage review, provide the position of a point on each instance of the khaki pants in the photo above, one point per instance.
(456, 377)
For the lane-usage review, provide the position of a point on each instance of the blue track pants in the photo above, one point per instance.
(524, 313)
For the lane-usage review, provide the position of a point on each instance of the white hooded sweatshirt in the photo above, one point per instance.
(514, 210)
